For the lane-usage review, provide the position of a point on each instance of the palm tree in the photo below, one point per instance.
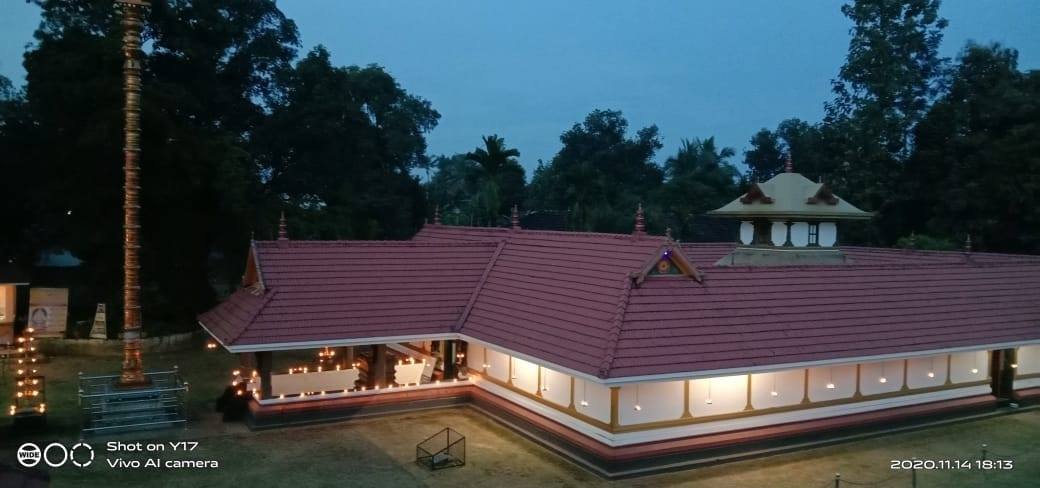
(699, 179)
(493, 161)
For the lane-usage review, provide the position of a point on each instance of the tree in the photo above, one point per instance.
(892, 69)
(339, 148)
(500, 179)
(699, 178)
(765, 158)
(600, 174)
(204, 91)
(891, 73)
(977, 156)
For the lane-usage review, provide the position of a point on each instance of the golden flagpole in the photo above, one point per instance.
(133, 21)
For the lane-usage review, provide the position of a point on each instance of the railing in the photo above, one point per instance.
(445, 449)
(104, 407)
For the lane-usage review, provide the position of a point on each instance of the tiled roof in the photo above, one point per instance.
(552, 295)
(568, 298)
(744, 317)
(316, 291)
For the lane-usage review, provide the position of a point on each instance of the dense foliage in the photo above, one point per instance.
(238, 127)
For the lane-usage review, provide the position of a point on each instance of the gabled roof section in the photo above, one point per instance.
(559, 296)
(755, 194)
(332, 290)
(669, 260)
(756, 317)
(790, 195)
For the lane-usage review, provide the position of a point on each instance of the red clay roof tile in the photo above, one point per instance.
(562, 297)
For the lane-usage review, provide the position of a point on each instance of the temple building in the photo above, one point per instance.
(630, 353)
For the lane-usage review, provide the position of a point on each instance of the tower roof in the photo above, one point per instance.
(790, 195)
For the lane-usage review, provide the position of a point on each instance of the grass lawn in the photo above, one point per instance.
(381, 451)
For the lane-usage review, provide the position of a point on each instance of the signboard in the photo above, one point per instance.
(48, 311)
(100, 328)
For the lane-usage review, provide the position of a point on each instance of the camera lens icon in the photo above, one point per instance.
(29, 455)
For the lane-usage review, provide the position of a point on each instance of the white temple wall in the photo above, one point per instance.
(828, 234)
(800, 234)
(498, 365)
(747, 232)
(1028, 359)
(788, 385)
(664, 401)
(779, 233)
(1026, 383)
(657, 401)
(475, 356)
(717, 396)
(880, 377)
(843, 379)
(969, 366)
(556, 387)
(592, 399)
(525, 375)
(917, 373)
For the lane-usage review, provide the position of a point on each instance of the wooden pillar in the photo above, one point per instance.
(348, 356)
(451, 370)
(264, 361)
(747, 406)
(571, 405)
(859, 380)
(615, 406)
(377, 370)
(805, 385)
(1002, 374)
(686, 400)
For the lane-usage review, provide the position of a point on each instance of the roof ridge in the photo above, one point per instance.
(614, 336)
(402, 243)
(479, 287)
(506, 230)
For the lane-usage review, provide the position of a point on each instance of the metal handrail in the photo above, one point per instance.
(110, 376)
(120, 393)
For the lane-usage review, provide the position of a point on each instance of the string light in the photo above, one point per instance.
(584, 389)
(773, 392)
(883, 379)
(975, 370)
(708, 399)
(931, 367)
(637, 407)
(830, 377)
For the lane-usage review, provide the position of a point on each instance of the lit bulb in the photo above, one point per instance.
(931, 374)
(637, 408)
(974, 370)
(584, 403)
(1014, 365)
(830, 386)
(883, 380)
(774, 393)
(486, 365)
